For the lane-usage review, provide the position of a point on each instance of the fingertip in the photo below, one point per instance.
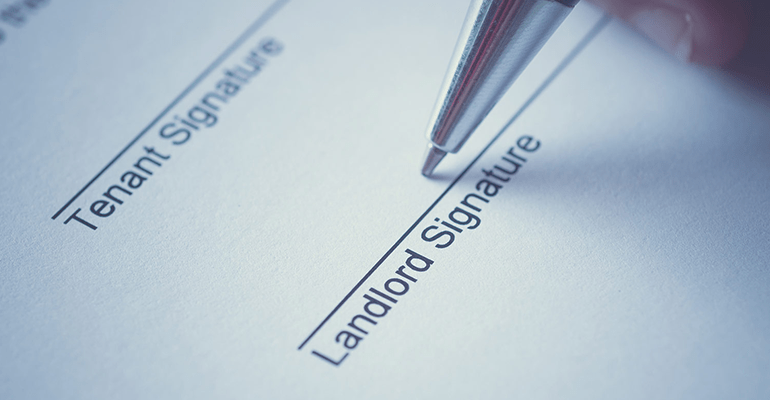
(710, 32)
(720, 30)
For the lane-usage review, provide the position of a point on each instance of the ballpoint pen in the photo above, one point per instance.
(498, 40)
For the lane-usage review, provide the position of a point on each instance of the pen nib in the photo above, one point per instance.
(433, 156)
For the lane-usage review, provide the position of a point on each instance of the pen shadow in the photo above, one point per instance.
(443, 176)
(695, 207)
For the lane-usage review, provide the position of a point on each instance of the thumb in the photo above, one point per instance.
(703, 31)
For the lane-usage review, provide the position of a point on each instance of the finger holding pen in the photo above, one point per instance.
(709, 32)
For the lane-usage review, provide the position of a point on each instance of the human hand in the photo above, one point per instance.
(709, 32)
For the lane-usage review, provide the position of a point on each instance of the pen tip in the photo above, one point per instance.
(433, 156)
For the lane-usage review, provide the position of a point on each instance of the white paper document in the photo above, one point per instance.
(223, 200)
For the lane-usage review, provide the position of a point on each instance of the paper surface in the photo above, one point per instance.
(271, 151)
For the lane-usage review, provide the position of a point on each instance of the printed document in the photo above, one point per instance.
(223, 200)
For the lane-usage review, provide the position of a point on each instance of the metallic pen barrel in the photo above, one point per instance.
(498, 40)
